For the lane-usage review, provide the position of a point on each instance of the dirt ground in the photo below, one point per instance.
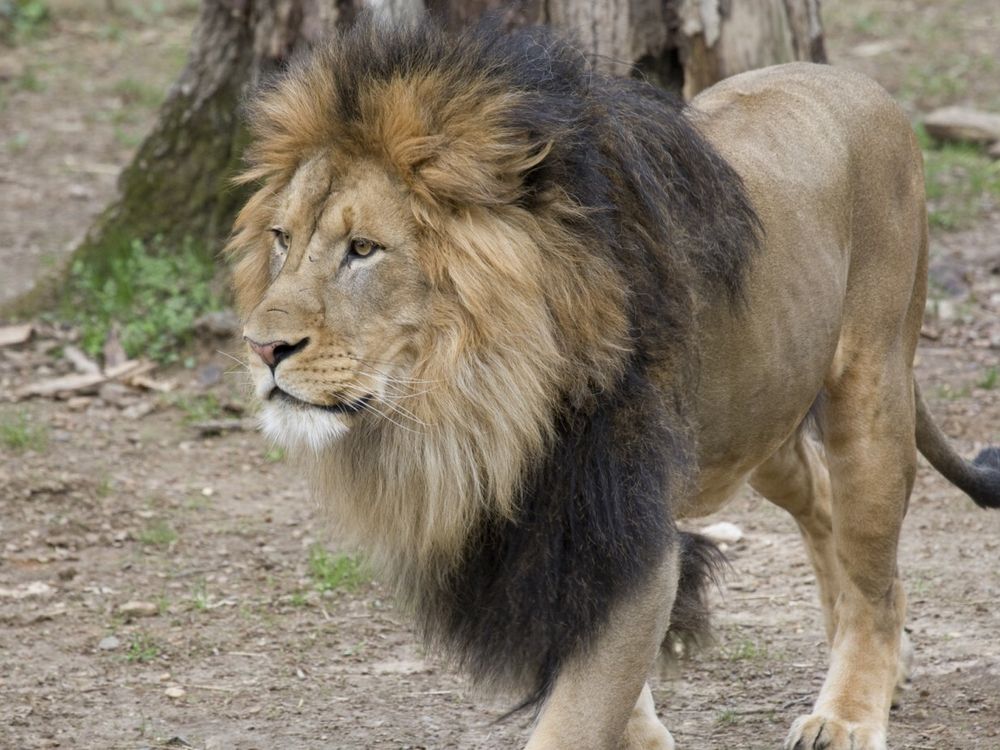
(116, 497)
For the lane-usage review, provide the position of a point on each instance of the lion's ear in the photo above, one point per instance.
(463, 149)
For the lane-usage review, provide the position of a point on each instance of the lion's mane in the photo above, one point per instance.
(569, 223)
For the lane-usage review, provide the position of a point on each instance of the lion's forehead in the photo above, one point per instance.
(333, 198)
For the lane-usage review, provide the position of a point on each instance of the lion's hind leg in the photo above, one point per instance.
(796, 477)
(868, 432)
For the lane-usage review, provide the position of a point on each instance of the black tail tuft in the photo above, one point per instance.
(701, 564)
(986, 490)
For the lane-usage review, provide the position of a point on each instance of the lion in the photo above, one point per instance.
(518, 318)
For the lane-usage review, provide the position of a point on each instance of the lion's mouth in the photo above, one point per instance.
(344, 407)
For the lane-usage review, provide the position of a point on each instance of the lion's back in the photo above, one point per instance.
(807, 129)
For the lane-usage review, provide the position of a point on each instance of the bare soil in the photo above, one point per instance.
(241, 650)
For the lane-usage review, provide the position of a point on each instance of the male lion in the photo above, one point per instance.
(518, 317)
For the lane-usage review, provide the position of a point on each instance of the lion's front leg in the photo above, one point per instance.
(600, 700)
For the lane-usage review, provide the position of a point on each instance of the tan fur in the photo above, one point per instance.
(833, 305)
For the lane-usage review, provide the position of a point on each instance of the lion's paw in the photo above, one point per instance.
(820, 732)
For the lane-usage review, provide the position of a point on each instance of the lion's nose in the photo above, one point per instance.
(273, 352)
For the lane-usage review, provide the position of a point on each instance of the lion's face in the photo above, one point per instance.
(335, 333)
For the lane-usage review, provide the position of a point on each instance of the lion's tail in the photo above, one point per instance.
(979, 479)
(701, 563)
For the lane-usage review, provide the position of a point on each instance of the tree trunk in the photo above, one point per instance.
(684, 45)
(719, 38)
(178, 185)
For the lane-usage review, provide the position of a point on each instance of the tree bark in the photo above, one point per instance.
(719, 38)
(683, 45)
(179, 183)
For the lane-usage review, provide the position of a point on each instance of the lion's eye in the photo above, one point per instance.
(362, 248)
(281, 236)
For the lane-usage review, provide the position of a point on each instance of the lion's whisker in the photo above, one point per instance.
(403, 412)
(235, 359)
(367, 405)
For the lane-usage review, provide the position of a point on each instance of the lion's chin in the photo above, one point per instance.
(297, 429)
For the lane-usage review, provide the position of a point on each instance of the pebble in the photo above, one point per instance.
(723, 532)
(114, 393)
(138, 609)
(110, 643)
(139, 410)
(174, 691)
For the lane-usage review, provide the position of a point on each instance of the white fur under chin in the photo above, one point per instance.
(300, 428)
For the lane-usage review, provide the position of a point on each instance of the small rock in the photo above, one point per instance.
(80, 192)
(882, 46)
(175, 691)
(114, 393)
(110, 643)
(78, 403)
(723, 532)
(138, 609)
(963, 124)
(139, 410)
(209, 375)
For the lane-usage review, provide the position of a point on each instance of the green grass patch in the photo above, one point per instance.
(962, 182)
(746, 650)
(199, 597)
(18, 142)
(158, 534)
(143, 648)
(19, 433)
(135, 92)
(726, 718)
(23, 19)
(332, 572)
(275, 454)
(30, 82)
(989, 381)
(947, 392)
(197, 407)
(154, 294)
